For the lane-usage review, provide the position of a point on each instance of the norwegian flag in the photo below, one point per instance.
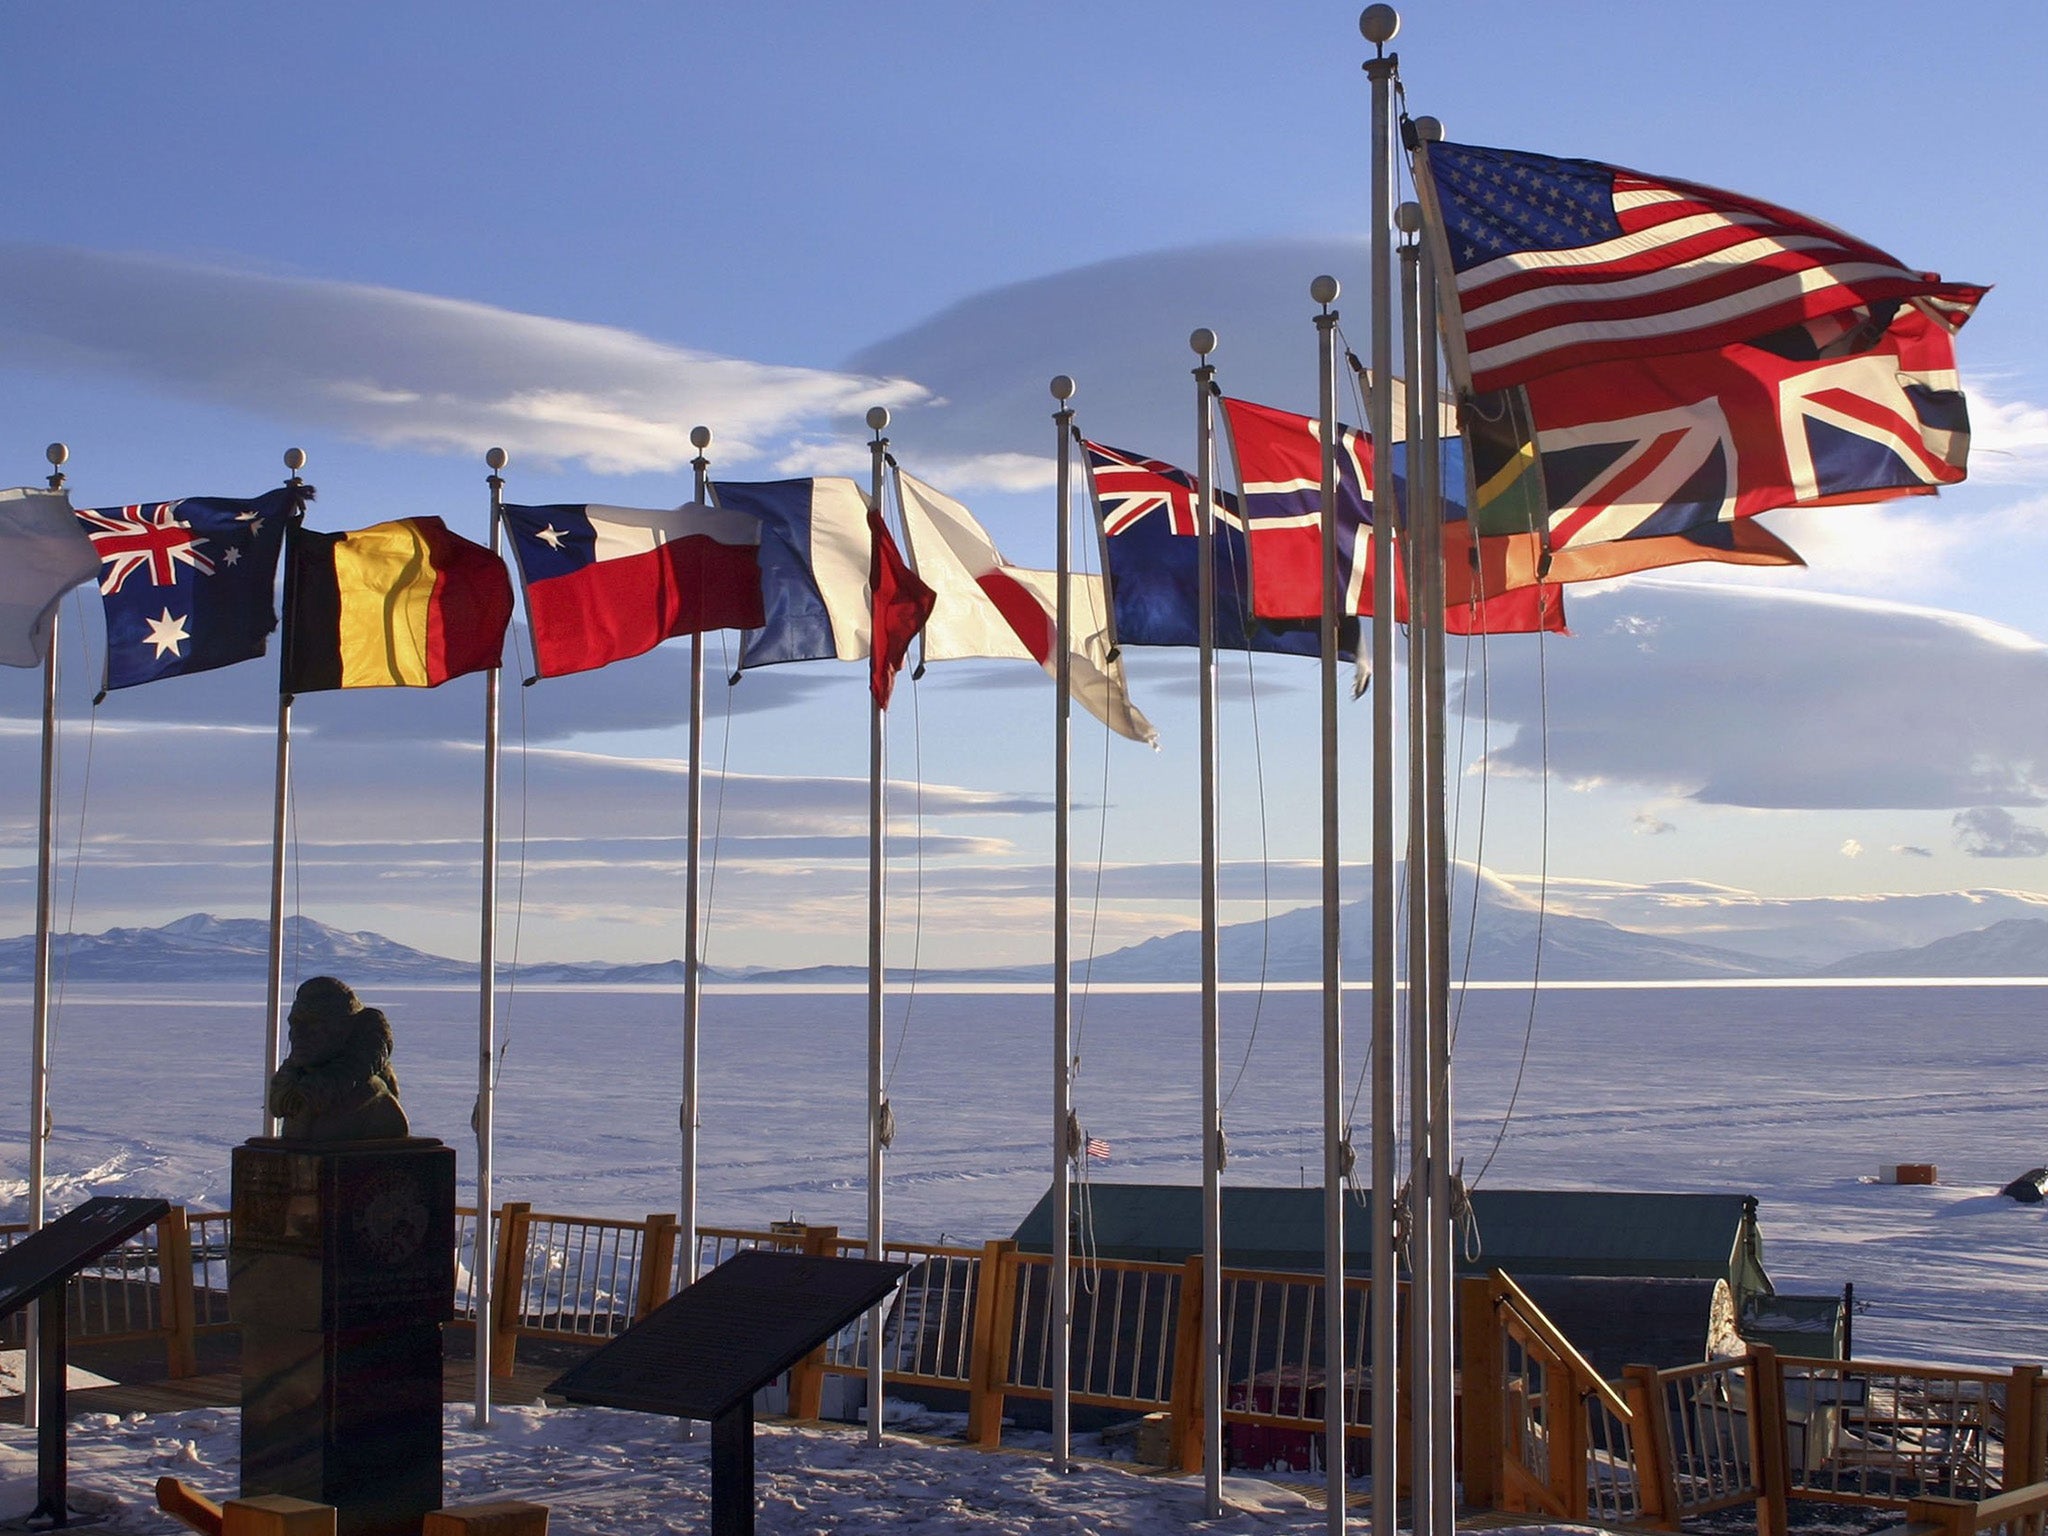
(1649, 448)
(187, 584)
(1146, 510)
(1568, 262)
(1280, 467)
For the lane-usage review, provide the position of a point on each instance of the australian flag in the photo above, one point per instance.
(1146, 510)
(187, 585)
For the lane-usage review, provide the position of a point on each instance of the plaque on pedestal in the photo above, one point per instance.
(341, 1272)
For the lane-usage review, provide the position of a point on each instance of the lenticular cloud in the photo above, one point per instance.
(409, 370)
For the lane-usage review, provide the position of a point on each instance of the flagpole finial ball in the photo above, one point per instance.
(1203, 341)
(1062, 387)
(1324, 289)
(497, 458)
(1408, 218)
(1378, 24)
(57, 453)
(1429, 129)
(878, 417)
(295, 459)
(700, 438)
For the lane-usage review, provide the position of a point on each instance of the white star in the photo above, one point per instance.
(255, 527)
(231, 556)
(550, 536)
(166, 634)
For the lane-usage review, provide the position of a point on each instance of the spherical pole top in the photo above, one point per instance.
(1062, 387)
(57, 453)
(1324, 289)
(700, 438)
(1408, 218)
(497, 458)
(295, 459)
(1378, 24)
(878, 417)
(1429, 129)
(1203, 341)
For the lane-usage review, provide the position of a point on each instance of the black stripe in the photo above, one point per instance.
(312, 608)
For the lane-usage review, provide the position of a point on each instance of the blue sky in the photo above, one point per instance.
(396, 235)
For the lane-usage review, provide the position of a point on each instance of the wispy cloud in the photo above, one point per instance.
(410, 370)
(1988, 832)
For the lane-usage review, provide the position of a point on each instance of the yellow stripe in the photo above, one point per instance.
(1521, 463)
(386, 579)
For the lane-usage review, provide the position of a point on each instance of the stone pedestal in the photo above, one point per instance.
(341, 1272)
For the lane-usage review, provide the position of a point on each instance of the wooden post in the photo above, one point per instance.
(188, 1506)
(1954, 1517)
(807, 1376)
(1571, 1450)
(657, 1261)
(1769, 1454)
(275, 1514)
(508, 1285)
(1002, 1335)
(1481, 1413)
(502, 1517)
(174, 1285)
(1650, 1439)
(991, 1318)
(1185, 1404)
(2022, 1428)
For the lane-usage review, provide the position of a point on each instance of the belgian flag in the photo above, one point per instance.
(405, 604)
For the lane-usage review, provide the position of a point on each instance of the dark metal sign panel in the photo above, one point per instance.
(721, 1340)
(44, 1260)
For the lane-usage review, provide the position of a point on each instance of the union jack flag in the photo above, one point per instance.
(187, 585)
(1567, 262)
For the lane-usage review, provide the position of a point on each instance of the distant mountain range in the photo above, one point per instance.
(202, 948)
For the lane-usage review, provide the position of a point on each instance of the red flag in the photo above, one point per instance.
(901, 605)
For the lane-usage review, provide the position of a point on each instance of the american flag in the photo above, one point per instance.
(1562, 262)
(1098, 1148)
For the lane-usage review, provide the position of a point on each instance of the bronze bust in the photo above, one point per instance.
(337, 1083)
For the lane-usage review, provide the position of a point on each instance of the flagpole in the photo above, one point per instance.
(1203, 342)
(39, 1062)
(1421, 1292)
(1324, 291)
(1062, 1002)
(294, 460)
(700, 439)
(878, 452)
(1442, 1253)
(1378, 24)
(487, 1000)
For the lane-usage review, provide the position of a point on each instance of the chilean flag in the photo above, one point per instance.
(605, 583)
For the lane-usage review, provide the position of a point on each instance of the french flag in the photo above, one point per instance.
(605, 583)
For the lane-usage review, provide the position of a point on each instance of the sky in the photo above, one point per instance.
(395, 236)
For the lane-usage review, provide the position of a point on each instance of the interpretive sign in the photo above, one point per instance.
(38, 1267)
(709, 1350)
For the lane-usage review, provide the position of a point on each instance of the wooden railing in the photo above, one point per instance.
(141, 1290)
(2022, 1512)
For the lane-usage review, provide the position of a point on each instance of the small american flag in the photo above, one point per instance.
(1562, 262)
(1097, 1147)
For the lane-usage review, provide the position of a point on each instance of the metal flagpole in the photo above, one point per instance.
(1420, 1331)
(878, 450)
(487, 999)
(294, 460)
(1378, 24)
(1442, 1256)
(39, 1060)
(1062, 1002)
(1324, 291)
(700, 439)
(1204, 342)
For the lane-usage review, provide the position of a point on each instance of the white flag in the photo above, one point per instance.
(44, 553)
(988, 607)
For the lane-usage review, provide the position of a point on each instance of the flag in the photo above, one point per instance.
(405, 604)
(605, 583)
(902, 605)
(1280, 467)
(1146, 511)
(186, 585)
(817, 601)
(1097, 1148)
(1643, 450)
(1564, 262)
(43, 555)
(988, 607)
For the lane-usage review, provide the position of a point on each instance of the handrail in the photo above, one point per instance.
(1531, 1317)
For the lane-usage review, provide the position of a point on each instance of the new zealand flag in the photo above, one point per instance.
(187, 585)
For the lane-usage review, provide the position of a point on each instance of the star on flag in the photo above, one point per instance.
(167, 634)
